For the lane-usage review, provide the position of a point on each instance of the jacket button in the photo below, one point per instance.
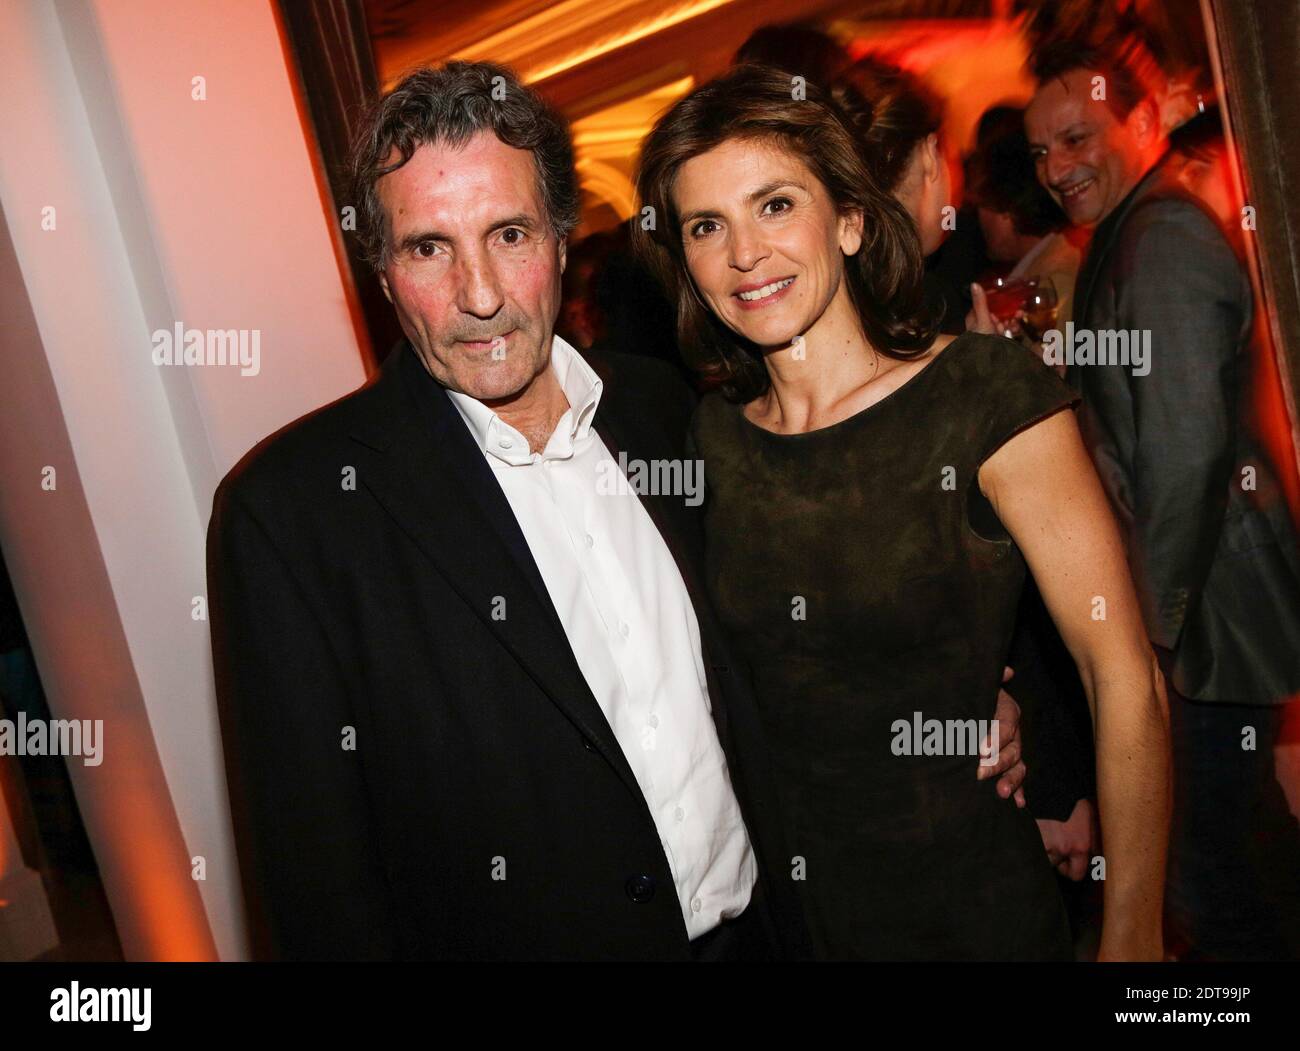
(588, 745)
(640, 888)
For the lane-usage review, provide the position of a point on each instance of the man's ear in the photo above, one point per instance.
(851, 224)
(1144, 122)
(1176, 102)
(564, 253)
(383, 283)
(931, 158)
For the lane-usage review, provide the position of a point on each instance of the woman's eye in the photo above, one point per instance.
(777, 205)
(703, 228)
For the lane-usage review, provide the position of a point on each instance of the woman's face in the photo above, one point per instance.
(763, 241)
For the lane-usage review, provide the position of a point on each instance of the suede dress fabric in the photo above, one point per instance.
(847, 567)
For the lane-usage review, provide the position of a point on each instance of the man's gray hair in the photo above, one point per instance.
(447, 105)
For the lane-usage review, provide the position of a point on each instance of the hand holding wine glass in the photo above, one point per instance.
(995, 310)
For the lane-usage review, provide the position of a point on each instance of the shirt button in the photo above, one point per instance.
(654, 721)
(624, 630)
(591, 542)
(679, 813)
(696, 905)
(507, 443)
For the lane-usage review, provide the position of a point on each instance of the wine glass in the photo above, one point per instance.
(1039, 312)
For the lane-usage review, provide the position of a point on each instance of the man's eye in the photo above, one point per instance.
(426, 250)
(512, 235)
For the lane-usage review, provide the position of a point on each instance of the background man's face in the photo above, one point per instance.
(474, 267)
(1086, 158)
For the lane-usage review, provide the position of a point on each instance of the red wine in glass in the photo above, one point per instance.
(1007, 299)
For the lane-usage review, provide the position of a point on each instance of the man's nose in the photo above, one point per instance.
(747, 247)
(1057, 167)
(480, 291)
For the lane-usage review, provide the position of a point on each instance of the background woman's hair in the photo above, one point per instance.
(755, 102)
(1000, 174)
(800, 48)
(448, 105)
(893, 112)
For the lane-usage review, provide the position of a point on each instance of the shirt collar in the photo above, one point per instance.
(582, 389)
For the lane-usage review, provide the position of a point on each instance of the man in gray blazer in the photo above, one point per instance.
(1159, 351)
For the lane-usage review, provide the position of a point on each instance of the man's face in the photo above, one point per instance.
(474, 267)
(1086, 158)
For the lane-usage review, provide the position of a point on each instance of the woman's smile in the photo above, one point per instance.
(756, 295)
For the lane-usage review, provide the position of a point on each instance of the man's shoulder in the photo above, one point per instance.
(1169, 247)
(316, 442)
(1171, 221)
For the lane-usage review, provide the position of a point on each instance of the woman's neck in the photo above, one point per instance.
(815, 373)
(833, 374)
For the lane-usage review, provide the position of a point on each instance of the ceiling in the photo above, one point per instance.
(612, 66)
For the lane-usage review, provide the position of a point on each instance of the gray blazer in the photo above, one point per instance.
(1215, 561)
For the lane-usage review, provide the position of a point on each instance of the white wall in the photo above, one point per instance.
(168, 210)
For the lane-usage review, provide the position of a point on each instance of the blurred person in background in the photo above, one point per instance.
(1208, 535)
(1023, 227)
(580, 320)
(900, 121)
(611, 303)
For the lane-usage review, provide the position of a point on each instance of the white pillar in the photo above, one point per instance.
(167, 208)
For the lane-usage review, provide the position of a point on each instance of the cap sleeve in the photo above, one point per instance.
(1013, 388)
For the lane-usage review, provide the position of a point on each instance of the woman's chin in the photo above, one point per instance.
(768, 337)
(772, 348)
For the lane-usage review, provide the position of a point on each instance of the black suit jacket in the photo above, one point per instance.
(417, 767)
(1215, 561)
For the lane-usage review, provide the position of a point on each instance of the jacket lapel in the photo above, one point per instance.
(420, 462)
(1104, 240)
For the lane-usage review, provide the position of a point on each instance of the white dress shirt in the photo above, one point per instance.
(630, 622)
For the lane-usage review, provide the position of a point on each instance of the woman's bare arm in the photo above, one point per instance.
(1044, 489)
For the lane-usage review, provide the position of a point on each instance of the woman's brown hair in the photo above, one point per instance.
(884, 276)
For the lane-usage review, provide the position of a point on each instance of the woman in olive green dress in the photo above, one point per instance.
(874, 493)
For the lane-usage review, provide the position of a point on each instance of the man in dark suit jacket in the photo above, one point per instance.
(474, 702)
(483, 807)
(1209, 538)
